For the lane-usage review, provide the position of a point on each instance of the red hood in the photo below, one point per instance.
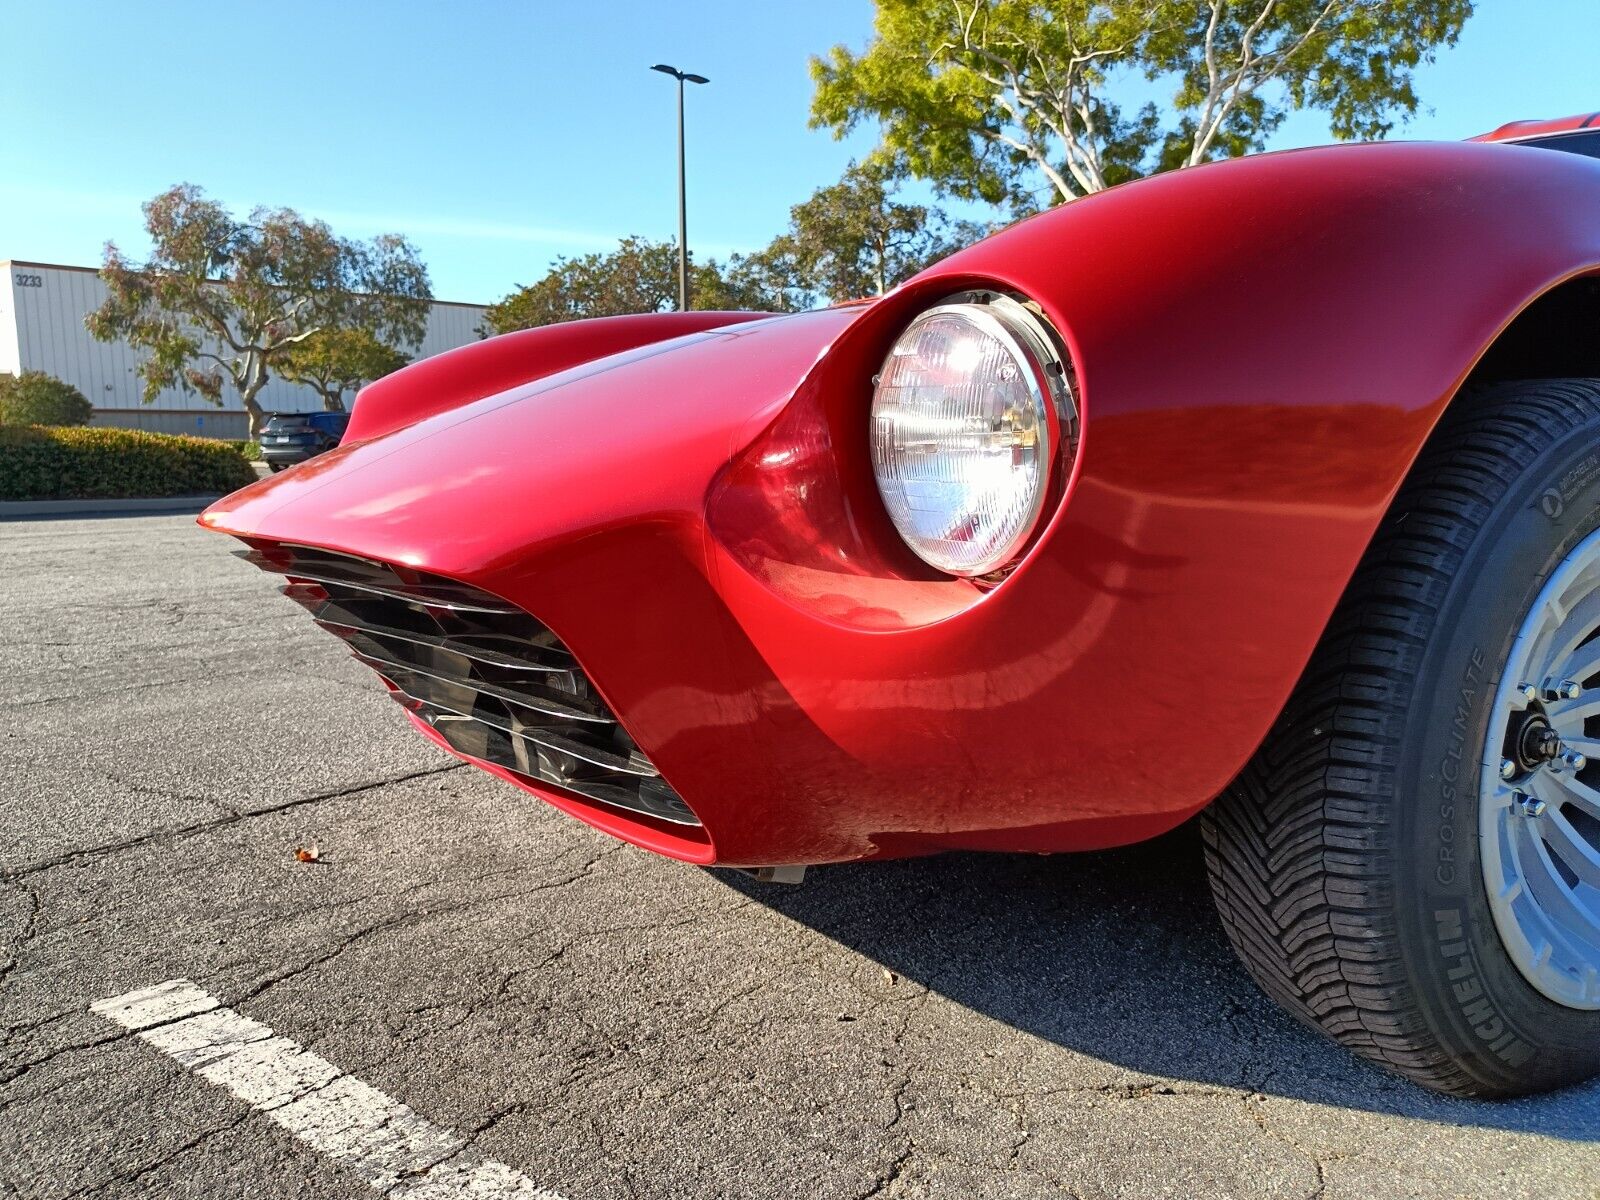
(516, 473)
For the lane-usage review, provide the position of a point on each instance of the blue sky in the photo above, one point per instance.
(497, 135)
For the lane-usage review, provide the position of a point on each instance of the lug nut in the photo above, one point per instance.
(1508, 768)
(1574, 761)
(1528, 806)
(1528, 692)
(1560, 689)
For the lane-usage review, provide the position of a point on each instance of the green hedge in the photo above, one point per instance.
(40, 463)
(251, 450)
(35, 398)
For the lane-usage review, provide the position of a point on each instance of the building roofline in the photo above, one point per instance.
(49, 266)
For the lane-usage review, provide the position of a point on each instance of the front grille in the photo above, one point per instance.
(490, 679)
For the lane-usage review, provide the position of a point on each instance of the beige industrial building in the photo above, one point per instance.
(42, 307)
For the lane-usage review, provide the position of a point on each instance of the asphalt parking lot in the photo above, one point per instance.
(589, 1018)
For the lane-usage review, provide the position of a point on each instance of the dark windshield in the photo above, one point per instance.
(1584, 141)
(330, 422)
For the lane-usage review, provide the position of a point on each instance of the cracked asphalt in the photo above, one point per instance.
(606, 1022)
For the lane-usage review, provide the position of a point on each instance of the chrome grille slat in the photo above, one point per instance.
(450, 597)
(650, 797)
(516, 654)
(459, 646)
(541, 736)
(487, 677)
(391, 594)
(549, 706)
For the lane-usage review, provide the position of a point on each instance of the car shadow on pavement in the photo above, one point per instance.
(1117, 955)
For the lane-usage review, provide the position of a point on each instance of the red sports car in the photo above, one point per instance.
(1268, 490)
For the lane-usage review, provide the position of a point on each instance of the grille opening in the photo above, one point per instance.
(490, 679)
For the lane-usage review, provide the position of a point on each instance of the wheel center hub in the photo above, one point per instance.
(1537, 743)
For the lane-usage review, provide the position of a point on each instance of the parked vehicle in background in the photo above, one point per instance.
(290, 438)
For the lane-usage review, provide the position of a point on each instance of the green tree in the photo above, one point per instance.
(760, 282)
(989, 98)
(853, 238)
(639, 276)
(37, 398)
(850, 239)
(222, 300)
(335, 361)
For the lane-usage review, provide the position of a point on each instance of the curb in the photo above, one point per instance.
(109, 507)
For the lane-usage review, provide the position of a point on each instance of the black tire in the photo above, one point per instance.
(274, 467)
(1344, 859)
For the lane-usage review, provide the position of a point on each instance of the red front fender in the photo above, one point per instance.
(1261, 348)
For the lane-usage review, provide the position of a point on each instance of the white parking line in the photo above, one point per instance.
(381, 1140)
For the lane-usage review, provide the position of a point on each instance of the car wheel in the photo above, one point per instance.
(274, 467)
(1411, 863)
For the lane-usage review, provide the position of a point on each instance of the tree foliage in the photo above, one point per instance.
(222, 300)
(850, 239)
(335, 361)
(639, 276)
(38, 398)
(758, 282)
(990, 97)
(853, 238)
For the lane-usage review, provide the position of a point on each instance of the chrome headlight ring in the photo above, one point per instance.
(969, 413)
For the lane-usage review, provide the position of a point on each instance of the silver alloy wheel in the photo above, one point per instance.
(1539, 810)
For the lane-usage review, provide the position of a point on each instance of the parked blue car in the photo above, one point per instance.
(289, 438)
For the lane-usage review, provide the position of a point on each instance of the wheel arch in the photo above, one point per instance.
(1555, 335)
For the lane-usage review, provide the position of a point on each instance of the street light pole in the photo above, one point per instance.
(683, 195)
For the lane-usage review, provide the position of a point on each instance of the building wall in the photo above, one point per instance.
(42, 307)
(227, 423)
(9, 359)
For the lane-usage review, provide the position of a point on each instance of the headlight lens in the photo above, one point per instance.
(962, 433)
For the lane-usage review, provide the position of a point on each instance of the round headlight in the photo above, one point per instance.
(962, 433)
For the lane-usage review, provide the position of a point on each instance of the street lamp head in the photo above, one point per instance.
(680, 76)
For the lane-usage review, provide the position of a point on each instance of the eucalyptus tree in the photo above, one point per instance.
(1018, 100)
(335, 362)
(225, 301)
